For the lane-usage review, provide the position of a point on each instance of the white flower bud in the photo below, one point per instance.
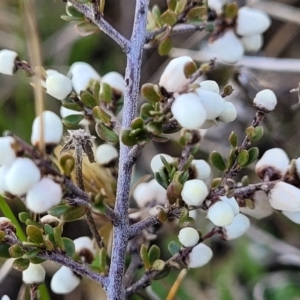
(22, 176)
(189, 111)
(81, 74)
(53, 129)
(262, 207)
(210, 85)
(212, 102)
(5, 297)
(252, 21)
(202, 168)
(49, 72)
(298, 166)
(173, 77)
(83, 244)
(265, 100)
(51, 220)
(105, 154)
(115, 80)
(64, 281)
(228, 47)
(220, 213)
(58, 86)
(188, 237)
(229, 114)
(156, 163)
(285, 196)
(6, 223)
(233, 204)
(252, 43)
(7, 61)
(39, 201)
(199, 256)
(34, 274)
(7, 153)
(3, 175)
(237, 228)
(194, 192)
(293, 216)
(273, 163)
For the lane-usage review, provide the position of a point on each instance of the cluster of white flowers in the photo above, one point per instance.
(245, 36)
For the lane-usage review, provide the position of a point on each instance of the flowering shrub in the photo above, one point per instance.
(87, 174)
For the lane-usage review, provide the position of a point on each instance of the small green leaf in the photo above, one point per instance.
(24, 216)
(100, 115)
(127, 139)
(58, 211)
(67, 162)
(4, 251)
(73, 12)
(161, 181)
(103, 260)
(156, 15)
(69, 246)
(161, 215)
(173, 247)
(21, 264)
(83, 1)
(189, 69)
(86, 28)
(137, 123)
(165, 47)
(158, 265)
(102, 6)
(165, 272)
(253, 155)
(149, 93)
(145, 111)
(197, 13)
(228, 89)
(105, 93)
(259, 132)
(145, 257)
(168, 18)
(217, 161)
(36, 260)
(233, 140)
(96, 90)
(35, 234)
(155, 128)
(245, 180)
(31, 254)
(88, 99)
(231, 10)
(74, 213)
(71, 104)
(106, 133)
(180, 6)
(186, 222)
(243, 158)
(231, 158)
(172, 4)
(2, 235)
(71, 18)
(216, 182)
(16, 251)
(72, 120)
(58, 238)
(153, 253)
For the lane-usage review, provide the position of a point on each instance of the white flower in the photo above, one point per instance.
(5, 297)
(105, 154)
(265, 100)
(188, 237)
(115, 80)
(64, 281)
(210, 85)
(173, 77)
(220, 213)
(252, 43)
(160, 194)
(81, 74)
(262, 207)
(44, 195)
(49, 219)
(273, 163)
(212, 102)
(233, 204)
(252, 21)
(3, 175)
(156, 163)
(228, 47)
(293, 216)
(83, 244)
(229, 114)
(194, 192)
(237, 228)
(285, 197)
(199, 256)
(7, 61)
(58, 86)
(202, 168)
(7, 153)
(22, 176)
(53, 129)
(34, 274)
(188, 110)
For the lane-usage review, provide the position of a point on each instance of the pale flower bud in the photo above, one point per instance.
(53, 129)
(39, 201)
(105, 154)
(199, 256)
(173, 77)
(285, 196)
(3, 175)
(188, 237)
(293, 216)
(220, 213)
(212, 102)
(115, 80)
(210, 85)
(252, 21)
(228, 47)
(194, 192)
(252, 43)
(6, 224)
(7, 153)
(274, 163)
(5, 297)
(34, 274)
(85, 248)
(7, 62)
(51, 220)
(265, 100)
(64, 281)
(202, 168)
(233, 204)
(229, 114)
(156, 163)
(81, 74)
(189, 111)
(298, 166)
(237, 228)
(58, 86)
(22, 176)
